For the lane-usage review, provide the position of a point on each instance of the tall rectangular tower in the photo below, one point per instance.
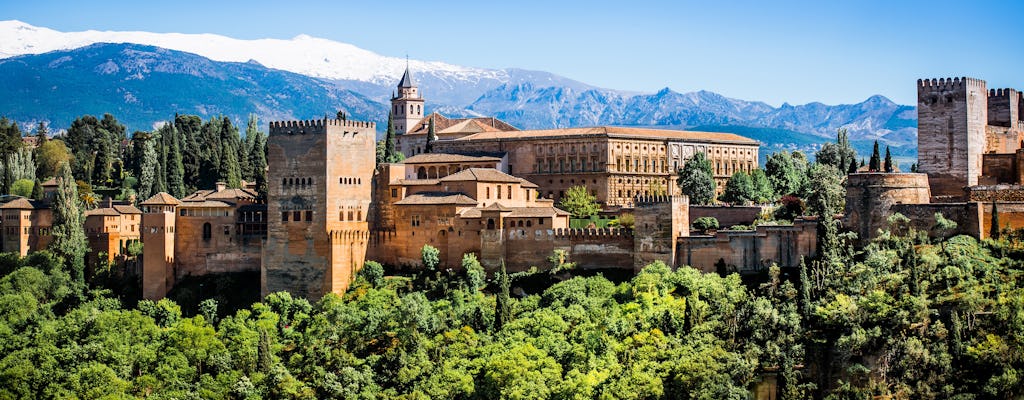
(951, 117)
(318, 199)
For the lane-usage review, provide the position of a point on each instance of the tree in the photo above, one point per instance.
(503, 302)
(476, 277)
(763, 191)
(430, 256)
(22, 187)
(579, 202)
(431, 135)
(372, 273)
(875, 164)
(174, 169)
(739, 189)
(782, 173)
(993, 230)
(839, 154)
(42, 133)
(391, 154)
(827, 192)
(890, 167)
(49, 158)
(705, 224)
(697, 181)
(18, 165)
(37, 190)
(10, 137)
(68, 235)
(150, 164)
(230, 172)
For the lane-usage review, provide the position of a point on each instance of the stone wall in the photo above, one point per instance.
(1011, 215)
(988, 194)
(998, 168)
(750, 251)
(158, 256)
(952, 115)
(659, 220)
(588, 248)
(871, 196)
(727, 216)
(224, 251)
(968, 216)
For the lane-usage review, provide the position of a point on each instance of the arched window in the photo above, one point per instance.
(490, 223)
(421, 173)
(207, 231)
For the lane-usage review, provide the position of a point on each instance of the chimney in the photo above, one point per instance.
(109, 202)
(221, 186)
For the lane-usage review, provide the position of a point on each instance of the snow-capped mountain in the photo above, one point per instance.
(528, 99)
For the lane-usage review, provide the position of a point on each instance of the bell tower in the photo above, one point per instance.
(407, 105)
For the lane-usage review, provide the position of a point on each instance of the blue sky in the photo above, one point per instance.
(773, 51)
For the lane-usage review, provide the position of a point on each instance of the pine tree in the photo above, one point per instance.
(68, 235)
(875, 164)
(889, 167)
(503, 302)
(431, 136)
(42, 134)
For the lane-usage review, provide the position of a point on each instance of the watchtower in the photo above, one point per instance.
(158, 223)
(658, 222)
(407, 105)
(952, 114)
(318, 200)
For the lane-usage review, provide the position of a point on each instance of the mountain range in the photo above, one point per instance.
(144, 78)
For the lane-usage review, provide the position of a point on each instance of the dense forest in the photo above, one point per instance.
(912, 314)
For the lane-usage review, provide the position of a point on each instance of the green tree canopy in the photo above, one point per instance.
(579, 202)
(697, 181)
(739, 189)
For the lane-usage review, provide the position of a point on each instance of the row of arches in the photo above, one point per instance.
(296, 181)
(350, 181)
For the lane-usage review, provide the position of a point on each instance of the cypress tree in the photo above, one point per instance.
(503, 302)
(889, 167)
(68, 235)
(37, 190)
(230, 171)
(431, 135)
(391, 154)
(175, 171)
(42, 134)
(993, 231)
(875, 164)
(147, 175)
(805, 290)
(251, 130)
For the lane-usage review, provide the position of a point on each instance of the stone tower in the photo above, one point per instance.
(951, 117)
(407, 105)
(158, 239)
(318, 200)
(658, 222)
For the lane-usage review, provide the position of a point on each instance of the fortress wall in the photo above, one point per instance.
(871, 196)
(750, 251)
(968, 216)
(727, 216)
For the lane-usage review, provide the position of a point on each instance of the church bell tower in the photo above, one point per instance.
(407, 105)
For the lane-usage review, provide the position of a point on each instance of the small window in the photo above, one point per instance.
(394, 192)
(297, 216)
(227, 230)
(207, 231)
(284, 216)
(309, 215)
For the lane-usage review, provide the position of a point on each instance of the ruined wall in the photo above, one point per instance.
(727, 216)
(319, 192)
(750, 251)
(952, 115)
(870, 197)
(968, 216)
(659, 220)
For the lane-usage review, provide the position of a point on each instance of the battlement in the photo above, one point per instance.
(315, 126)
(581, 233)
(1008, 93)
(943, 84)
(642, 200)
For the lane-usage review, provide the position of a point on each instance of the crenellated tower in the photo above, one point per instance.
(318, 201)
(407, 104)
(952, 115)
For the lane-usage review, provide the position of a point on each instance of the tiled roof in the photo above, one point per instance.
(428, 158)
(107, 212)
(615, 131)
(205, 204)
(24, 204)
(127, 209)
(528, 184)
(415, 182)
(160, 199)
(50, 182)
(442, 123)
(496, 207)
(480, 175)
(226, 194)
(437, 198)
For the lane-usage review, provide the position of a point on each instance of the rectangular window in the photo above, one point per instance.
(394, 192)
(499, 191)
(296, 215)
(284, 216)
(227, 230)
(309, 216)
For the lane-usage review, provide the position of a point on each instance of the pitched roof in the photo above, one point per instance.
(497, 207)
(127, 209)
(437, 198)
(616, 131)
(107, 212)
(161, 199)
(406, 81)
(480, 175)
(527, 184)
(428, 158)
(50, 182)
(415, 182)
(226, 194)
(443, 123)
(22, 203)
(205, 204)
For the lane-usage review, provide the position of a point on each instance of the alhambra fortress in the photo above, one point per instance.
(488, 188)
